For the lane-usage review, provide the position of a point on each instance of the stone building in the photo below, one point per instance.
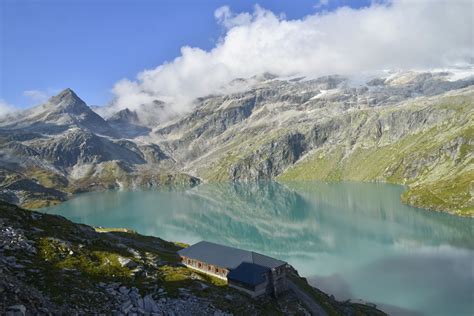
(248, 271)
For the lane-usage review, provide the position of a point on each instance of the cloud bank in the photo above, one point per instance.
(401, 34)
(5, 108)
(36, 96)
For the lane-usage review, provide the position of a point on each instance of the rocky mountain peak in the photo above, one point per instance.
(127, 123)
(266, 76)
(68, 101)
(124, 116)
(62, 112)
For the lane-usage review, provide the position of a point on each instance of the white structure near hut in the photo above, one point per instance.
(248, 271)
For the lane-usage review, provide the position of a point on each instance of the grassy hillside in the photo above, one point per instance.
(436, 165)
(33, 187)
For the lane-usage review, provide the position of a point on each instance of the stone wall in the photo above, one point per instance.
(278, 276)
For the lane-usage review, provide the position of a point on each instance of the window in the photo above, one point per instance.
(217, 270)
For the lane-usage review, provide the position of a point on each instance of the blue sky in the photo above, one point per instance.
(89, 45)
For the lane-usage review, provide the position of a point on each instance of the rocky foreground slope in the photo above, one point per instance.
(51, 265)
(412, 128)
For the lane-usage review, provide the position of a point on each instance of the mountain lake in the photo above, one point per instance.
(352, 240)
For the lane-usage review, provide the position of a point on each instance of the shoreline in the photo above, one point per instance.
(72, 195)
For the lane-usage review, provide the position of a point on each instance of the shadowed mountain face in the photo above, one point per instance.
(410, 128)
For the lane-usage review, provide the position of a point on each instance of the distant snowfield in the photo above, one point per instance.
(460, 73)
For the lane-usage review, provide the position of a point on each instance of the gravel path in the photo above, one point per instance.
(310, 303)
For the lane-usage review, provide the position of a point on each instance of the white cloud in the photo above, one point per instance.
(321, 3)
(403, 34)
(5, 108)
(37, 96)
(228, 19)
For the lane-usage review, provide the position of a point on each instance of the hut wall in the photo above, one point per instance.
(205, 267)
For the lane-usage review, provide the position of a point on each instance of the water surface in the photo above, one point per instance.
(353, 240)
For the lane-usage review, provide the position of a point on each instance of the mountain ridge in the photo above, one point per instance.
(409, 128)
(59, 113)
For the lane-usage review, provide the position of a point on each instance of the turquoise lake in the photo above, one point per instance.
(352, 240)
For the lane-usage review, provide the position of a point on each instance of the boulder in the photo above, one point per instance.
(150, 304)
(17, 309)
(126, 262)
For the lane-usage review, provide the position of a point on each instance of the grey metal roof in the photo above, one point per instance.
(227, 257)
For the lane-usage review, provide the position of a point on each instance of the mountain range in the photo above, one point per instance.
(410, 128)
